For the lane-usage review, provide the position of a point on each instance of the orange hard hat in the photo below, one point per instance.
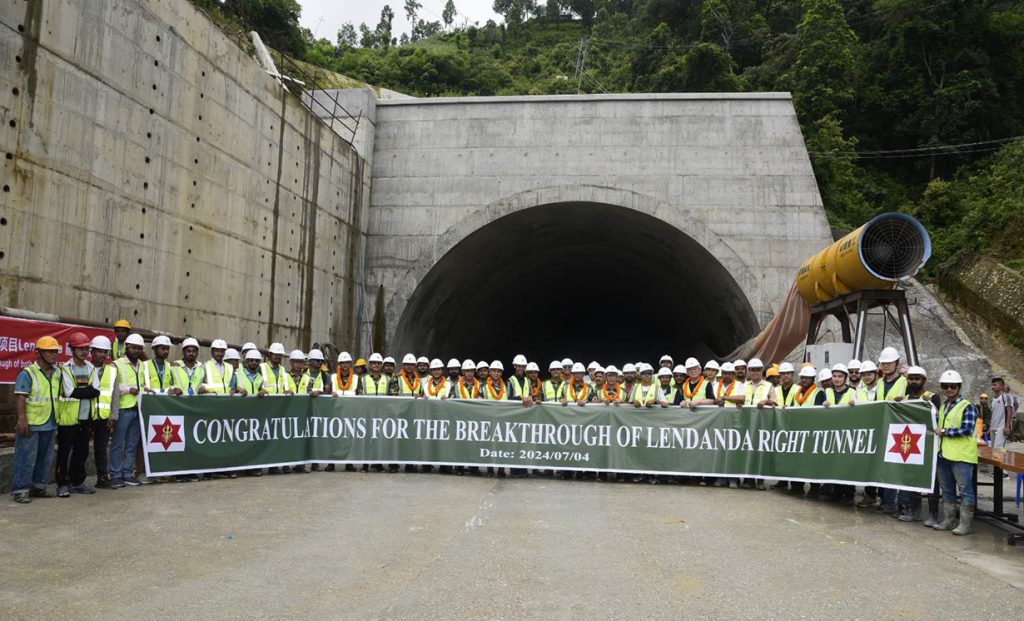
(122, 323)
(77, 339)
(48, 343)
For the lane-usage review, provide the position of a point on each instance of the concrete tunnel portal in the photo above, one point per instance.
(591, 281)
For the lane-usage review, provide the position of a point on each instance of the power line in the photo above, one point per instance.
(952, 149)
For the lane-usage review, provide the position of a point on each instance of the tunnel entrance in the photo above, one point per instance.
(584, 280)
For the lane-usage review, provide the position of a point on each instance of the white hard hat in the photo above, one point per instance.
(436, 364)
(468, 365)
(532, 366)
(423, 360)
(950, 377)
(755, 363)
(253, 354)
(665, 358)
(387, 360)
(219, 344)
(840, 367)
(100, 342)
(277, 348)
(134, 339)
(315, 354)
(712, 364)
(519, 360)
(162, 340)
(643, 367)
(497, 365)
(825, 375)
(868, 367)
(297, 355)
(593, 365)
(786, 367)
(483, 365)
(808, 371)
(555, 365)
(566, 362)
(612, 370)
(231, 354)
(190, 342)
(916, 370)
(692, 362)
(629, 367)
(598, 369)
(578, 368)
(679, 369)
(409, 359)
(375, 357)
(248, 346)
(344, 357)
(664, 372)
(728, 367)
(853, 365)
(454, 364)
(739, 363)
(889, 354)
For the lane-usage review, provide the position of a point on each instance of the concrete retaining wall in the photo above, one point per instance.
(154, 172)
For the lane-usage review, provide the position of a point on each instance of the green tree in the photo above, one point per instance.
(276, 21)
(448, 14)
(823, 76)
(382, 34)
(347, 36)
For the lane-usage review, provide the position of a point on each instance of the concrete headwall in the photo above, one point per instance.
(153, 171)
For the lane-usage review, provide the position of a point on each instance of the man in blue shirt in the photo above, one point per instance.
(37, 391)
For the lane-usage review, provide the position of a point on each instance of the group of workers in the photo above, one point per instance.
(93, 398)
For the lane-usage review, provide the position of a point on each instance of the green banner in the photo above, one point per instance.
(881, 444)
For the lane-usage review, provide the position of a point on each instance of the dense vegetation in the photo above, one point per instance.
(905, 104)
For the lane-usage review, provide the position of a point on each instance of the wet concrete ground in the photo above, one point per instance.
(378, 546)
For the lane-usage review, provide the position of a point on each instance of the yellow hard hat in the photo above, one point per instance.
(122, 323)
(772, 371)
(360, 363)
(48, 343)
(984, 395)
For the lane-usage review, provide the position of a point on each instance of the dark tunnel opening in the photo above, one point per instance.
(584, 280)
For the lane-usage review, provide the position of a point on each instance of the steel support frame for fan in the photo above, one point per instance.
(857, 304)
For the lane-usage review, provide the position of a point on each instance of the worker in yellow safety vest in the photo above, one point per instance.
(958, 455)
(893, 386)
(518, 385)
(216, 372)
(102, 424)
(121, 330)
(344, 381)
(127, 433)
(188, 373)
(758, 388)
(839, 393)
(407, 382)
(870, 387)
(37, 391)
(79, 391)
(535, 385)
(276, 380)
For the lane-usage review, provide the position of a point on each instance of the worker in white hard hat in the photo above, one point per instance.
(275, 377)
(106, 403)
(648, 393)
(388, 367)
(407, 382)
(454, 370)
(576, 391)
(344, 381)
(597, 380)
(494, 388)
(666, 362)
(869, 384)
(436, 386)
(314, 381)
(853, 368)
(483, 371)
(534, 384)
(233, 359)
(188, 372)
(248, 382)
(958, 455)
(807, 393)
(157, 374)
(296, 372)
(711, 370)
(375, 384)
(910, 503)
(518, 385)
(893, 385)
(216, 373)
(467, 386)
(758, 388)
(628, 383)
(740, 367)
(824, 380)
(125, 444)
(697, 389)
(612, 393)
(551, 389)
(664, 376)
(839, 392)
(422, 366)
(567, 369)
(728, 389)
(783, 392)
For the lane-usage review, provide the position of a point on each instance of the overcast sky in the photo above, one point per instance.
(325, 17)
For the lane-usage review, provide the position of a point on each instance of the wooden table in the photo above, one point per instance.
(1010, 461)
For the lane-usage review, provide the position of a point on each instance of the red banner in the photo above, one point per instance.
(18, 342)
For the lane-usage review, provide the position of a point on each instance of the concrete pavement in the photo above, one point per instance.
(380, 546)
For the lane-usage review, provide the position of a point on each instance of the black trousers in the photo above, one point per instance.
(100, 442)
(72, 451)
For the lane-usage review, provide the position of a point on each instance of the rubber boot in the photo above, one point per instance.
(933, 512)
(966, 517)
(948, 514)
